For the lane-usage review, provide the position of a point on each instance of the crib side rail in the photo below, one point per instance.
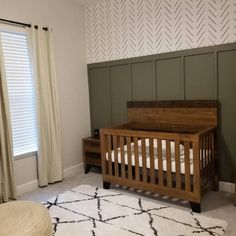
(148, 134)
(140, 159)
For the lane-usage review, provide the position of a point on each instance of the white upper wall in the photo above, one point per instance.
(118, 29)
(66, 17)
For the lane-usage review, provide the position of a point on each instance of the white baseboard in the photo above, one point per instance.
(27, 187)
(227, 187)
(33, 185)
(77, 169)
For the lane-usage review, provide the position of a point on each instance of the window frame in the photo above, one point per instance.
(21, 30)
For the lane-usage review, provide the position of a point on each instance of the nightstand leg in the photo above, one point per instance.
(87, 168)
(106, 185)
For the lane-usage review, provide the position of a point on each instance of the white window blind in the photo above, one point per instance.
(21, 91)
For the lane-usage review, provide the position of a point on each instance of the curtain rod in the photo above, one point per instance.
(20, 24)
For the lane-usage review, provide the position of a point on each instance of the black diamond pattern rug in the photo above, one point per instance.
(91, 211)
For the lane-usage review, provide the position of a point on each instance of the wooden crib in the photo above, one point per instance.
(167, 147)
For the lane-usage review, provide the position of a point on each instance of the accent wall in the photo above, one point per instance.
(118, 29)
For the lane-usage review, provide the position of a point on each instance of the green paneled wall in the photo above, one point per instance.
(169, 79)
(200, 77)
(143, 81)
(227, 98)
(204, 73)
(120, 92)
(100, 102)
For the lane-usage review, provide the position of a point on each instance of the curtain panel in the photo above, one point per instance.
(48, 116)
(7, 179)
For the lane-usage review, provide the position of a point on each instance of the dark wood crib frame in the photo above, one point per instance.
(192, 124)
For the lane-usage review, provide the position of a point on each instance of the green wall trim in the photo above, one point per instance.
(200, 73)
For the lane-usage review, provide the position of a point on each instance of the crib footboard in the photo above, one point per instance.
(177, 165)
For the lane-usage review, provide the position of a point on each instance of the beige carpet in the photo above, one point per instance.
(88, 210)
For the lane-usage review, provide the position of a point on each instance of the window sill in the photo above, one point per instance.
(25, 155)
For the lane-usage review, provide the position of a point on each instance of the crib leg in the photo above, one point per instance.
(196, 207)
(106, 185)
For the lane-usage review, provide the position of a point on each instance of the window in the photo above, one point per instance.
(21, 91)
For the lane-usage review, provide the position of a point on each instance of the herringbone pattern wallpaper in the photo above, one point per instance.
(118, 29)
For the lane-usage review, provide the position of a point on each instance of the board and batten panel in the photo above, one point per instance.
(120, 92)
(190, 74)
(227, 99)
(200, 81)
(143, 82)
(99, 89)
(169, 82)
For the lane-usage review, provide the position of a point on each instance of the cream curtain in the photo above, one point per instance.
(49, 129)
(7, 180)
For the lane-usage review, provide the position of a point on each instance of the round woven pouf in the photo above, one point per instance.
(24, 218)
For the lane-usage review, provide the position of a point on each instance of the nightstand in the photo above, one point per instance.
(91, 153)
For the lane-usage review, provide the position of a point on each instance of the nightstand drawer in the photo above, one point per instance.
(92, 147)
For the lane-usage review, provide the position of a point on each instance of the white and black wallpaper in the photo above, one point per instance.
(118, 29)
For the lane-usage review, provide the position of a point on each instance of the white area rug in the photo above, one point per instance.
(90, 211)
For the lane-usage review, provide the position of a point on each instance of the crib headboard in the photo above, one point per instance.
(197, 113)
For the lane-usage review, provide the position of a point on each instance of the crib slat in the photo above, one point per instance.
(168, 164)
(103, 140)
(109, 154)
(115, 155)
(151, 152)
(144, 160)
(204, 160)
(187, 166)
(128, 140)
(136, 158)
(203, 164)
(177, 165)
(201, 154)
(196, 168)
(160, 163)
(207, 156)
(122, 157)
(212, 154)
